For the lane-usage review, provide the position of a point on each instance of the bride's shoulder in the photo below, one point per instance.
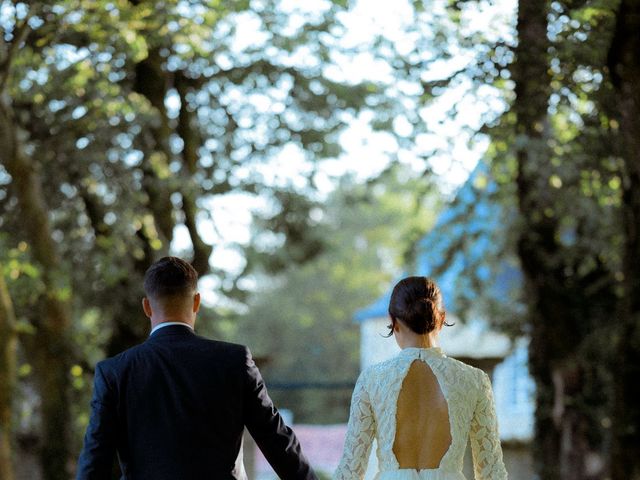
(462, 368)
(377, 378)
(379, 369)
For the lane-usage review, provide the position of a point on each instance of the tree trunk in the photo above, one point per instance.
(8, 343)
(129, 327)
(52, 352)
(624, 65)
(532, 93)
(561, 311)
(152, 83)
(188, 130)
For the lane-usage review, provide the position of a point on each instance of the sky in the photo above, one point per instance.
(365, 152)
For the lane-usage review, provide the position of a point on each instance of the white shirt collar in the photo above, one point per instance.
(166, 324)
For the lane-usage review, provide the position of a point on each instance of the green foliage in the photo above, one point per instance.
(111, 96)
(301, 321)
(135, 117)
(23, 277)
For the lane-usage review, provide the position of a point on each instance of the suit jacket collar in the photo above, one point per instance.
(171, 330)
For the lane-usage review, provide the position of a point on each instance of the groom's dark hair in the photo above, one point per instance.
(170, 277)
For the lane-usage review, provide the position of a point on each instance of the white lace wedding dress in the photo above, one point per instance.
(471, 413)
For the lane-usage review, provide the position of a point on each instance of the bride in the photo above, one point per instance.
(421, 406)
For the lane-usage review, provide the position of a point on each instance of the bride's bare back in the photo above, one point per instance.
(423, 433)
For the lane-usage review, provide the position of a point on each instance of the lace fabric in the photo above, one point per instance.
(469, 397)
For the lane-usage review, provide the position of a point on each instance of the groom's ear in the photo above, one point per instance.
(146, 306)
(196, 302)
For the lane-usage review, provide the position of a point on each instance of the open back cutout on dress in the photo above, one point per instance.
(423, 431)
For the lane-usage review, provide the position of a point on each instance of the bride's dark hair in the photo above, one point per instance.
(417, 302)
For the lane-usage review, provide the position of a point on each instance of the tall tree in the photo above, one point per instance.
(530, 73)
(51, 351)
(624, 66)
(568, 296)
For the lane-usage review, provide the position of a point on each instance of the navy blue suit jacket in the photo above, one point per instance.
(175, 407)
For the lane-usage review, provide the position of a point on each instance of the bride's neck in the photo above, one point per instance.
(429, 340)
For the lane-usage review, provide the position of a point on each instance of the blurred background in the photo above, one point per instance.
(305, 156)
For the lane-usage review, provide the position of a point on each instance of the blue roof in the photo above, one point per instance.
(454, 252)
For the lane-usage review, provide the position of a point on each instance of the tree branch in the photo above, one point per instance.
(20, 35)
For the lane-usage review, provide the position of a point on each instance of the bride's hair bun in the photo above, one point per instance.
(417, 302)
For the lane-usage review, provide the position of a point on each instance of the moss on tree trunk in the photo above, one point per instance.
(8, 342)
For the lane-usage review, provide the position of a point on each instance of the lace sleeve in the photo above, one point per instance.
(360, 433)
(485, 442)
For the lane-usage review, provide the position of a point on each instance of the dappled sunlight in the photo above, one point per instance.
(302, 157)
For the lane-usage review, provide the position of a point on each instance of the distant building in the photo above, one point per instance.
(464, 237)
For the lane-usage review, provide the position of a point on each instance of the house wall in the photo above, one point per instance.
(374, 347)
(515, 395)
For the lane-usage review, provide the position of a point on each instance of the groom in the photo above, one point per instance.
(175, 406)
